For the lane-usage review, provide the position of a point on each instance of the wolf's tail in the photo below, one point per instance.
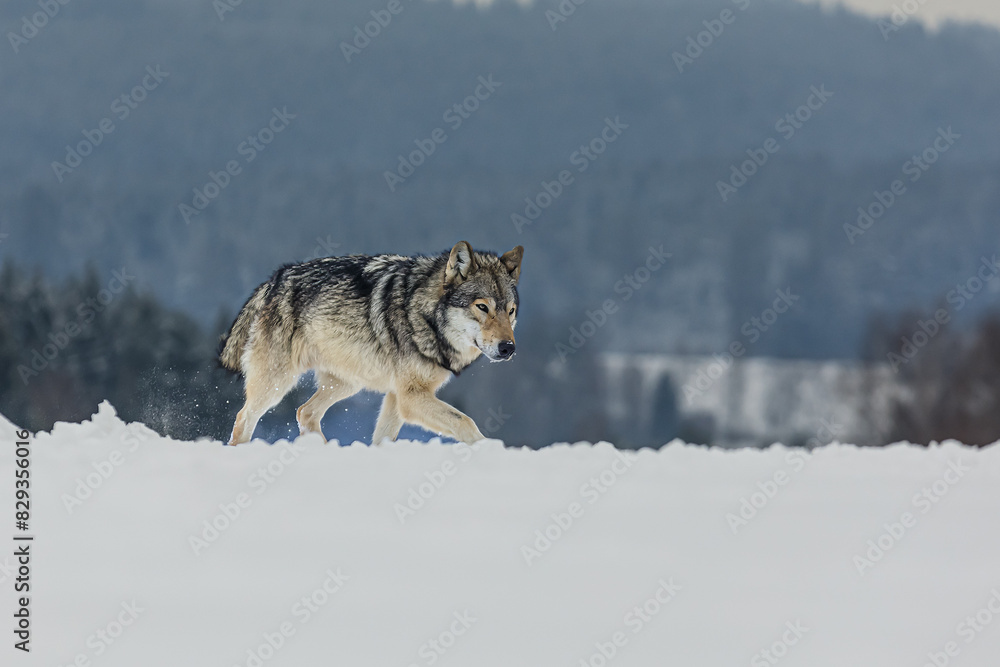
(232, 344)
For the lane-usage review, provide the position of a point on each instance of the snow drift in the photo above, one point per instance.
(157, 552)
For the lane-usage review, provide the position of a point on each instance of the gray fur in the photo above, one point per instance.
(388, 323)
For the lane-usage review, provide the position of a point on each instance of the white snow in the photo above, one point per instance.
(749, 399)
(451, 583)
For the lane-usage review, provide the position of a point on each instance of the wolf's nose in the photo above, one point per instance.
(506, 349)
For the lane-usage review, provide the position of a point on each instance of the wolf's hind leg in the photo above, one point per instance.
(429, 411)
(329, 390)
(263, 393)
(389, 420)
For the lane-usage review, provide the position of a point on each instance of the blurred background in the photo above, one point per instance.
(744, 221)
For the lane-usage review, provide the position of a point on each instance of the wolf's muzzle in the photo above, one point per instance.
(505, 350)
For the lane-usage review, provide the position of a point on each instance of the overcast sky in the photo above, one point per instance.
(930, 12)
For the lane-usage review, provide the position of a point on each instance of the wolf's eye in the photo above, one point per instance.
(511, 313)
(483, 307)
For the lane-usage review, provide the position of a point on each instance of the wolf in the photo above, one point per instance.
(393, 324)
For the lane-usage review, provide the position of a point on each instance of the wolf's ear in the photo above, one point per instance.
(512, 260)
(460, 264)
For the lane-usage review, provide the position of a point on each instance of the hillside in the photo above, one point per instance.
(319, 186)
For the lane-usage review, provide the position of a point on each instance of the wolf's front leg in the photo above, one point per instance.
(424, 408)
(389, 420)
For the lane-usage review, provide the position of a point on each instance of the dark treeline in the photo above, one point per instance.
(66, 347)
(951, 377)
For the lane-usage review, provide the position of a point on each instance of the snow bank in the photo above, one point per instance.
(150, 551)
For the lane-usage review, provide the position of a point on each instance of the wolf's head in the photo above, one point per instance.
(481, 298)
